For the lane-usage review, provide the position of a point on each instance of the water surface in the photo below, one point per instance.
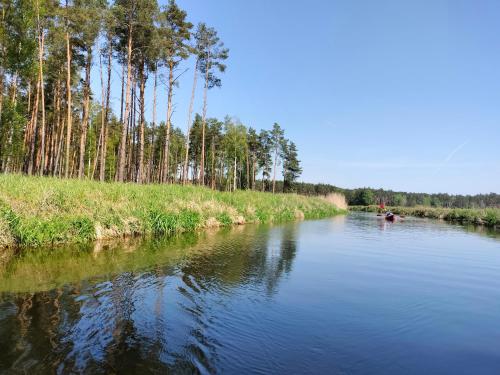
(348, 295)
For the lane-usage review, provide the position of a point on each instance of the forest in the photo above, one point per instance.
(53, 124)
(370, 196)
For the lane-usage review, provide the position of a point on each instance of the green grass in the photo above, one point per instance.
(36, 211)
(488, 217)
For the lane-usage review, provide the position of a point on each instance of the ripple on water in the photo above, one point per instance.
(350, 295)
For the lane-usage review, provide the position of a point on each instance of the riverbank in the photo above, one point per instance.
(489, 217)
(36, 211)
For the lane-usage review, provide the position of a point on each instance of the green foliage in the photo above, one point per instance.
(189, 220)
(364, 197)
(18, 37)
(97, 35)
(224, 219)
(291, 166)
(163, 223)
(262, 216)
(174, 34)
(40, 211)
(492, 217)
(12, 220)
(211, 54)
(399, 200)
(84, 229)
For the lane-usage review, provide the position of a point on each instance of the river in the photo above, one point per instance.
(348, 295)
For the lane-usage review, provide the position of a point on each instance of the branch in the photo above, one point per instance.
(176, 78)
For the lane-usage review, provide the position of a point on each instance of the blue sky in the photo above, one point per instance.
(402, 95)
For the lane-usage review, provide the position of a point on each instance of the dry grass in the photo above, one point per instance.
(6, 238)
(338, 200)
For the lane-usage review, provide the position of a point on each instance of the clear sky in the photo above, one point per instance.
(402, 95)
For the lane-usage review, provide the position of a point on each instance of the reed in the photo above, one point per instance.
(337, 199)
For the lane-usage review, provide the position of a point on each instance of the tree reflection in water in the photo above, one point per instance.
(137, 307)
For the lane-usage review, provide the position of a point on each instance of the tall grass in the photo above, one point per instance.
(337, 199)
(489, 216)
(36, 211)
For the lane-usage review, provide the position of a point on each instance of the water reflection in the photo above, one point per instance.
(337, 223)
(348, 295)
(142, 306)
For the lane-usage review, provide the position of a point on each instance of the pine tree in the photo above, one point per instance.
(174, 34)
(19, 55)
(126, 14)
(291, 166)
(253, 151)
(50, 122)
(89, 20)
(264, 158)
(277, 137)
(211, 56)
(145, 39)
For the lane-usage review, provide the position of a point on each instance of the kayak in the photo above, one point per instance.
(390, 217)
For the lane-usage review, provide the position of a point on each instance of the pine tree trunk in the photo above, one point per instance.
(102, 170)
(204, 118)
(13, 99)
(142, 83)
(212, 177)
(133, 133)
(166, 150)
(175, 166)
(123, 141)
(188, 129)
(97, 151)
(1, 105)
(11, 128)
(153, 129)
(97, 158)
(122, 96)
(234, 175)
(247, 183)
(55, 127)
(57, 164)
(253, 173)
(29, 97)
(274, 172)
(42, 92)
(13, 87)
(129, 155)
(2, 78)
(85, 114)
(32, 131)
(68, 102)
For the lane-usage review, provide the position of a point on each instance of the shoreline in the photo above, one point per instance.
(487, 217)
(44, 211)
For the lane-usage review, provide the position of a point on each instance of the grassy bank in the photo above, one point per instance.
(489, 217)
(37, 211)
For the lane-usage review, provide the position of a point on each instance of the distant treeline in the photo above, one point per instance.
(368, 196)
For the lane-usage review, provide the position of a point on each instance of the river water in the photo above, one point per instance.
(348, 295)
